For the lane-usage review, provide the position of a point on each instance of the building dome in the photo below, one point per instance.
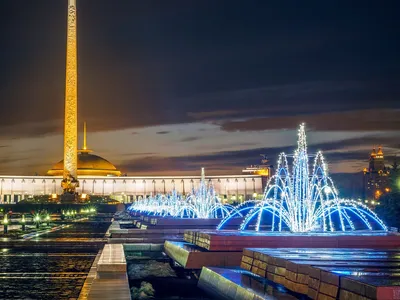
(89, 165)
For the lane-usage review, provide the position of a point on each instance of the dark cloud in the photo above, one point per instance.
(372, 141)
(190, 139)
(138, 154)
(233, 161)
(245, 66)
(34, 129)
(214, 114)
(158, 63)
(274, 107)
(361, 120)
(306, 97)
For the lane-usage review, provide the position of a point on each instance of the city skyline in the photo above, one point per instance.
(201, 90)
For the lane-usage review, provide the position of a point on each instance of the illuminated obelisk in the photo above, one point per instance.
(69, 182)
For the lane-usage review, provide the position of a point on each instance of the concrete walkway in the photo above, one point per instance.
(107, 278)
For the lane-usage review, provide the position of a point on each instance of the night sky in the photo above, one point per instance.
(169, 86)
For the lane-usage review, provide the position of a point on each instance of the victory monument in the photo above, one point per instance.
(70, 181)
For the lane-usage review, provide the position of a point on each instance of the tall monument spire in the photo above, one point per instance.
(85, 148)
(71, 97)
(76, 162)
(69, 182)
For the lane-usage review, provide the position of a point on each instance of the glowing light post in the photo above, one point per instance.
(36, 219)
(23, 221)
(48, 219)
(5, 223)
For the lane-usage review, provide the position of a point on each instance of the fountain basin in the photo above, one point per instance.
(329, 273)
(190, 256)
(234, 283)
(317, 273)
(187, 223)
(238, 240)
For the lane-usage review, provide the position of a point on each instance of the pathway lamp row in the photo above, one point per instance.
(36, 220)
(90, 210)
(5, 223)
(69, 213)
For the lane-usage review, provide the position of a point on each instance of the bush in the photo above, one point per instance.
(389, 209)
(146, 291)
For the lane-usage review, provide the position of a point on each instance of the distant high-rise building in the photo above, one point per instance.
(376, 176)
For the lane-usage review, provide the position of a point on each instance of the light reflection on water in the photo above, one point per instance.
(50, 273)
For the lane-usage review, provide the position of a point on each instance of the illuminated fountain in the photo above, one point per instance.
(158, 205)
(201, 203)
(304, 199)
(204, 203)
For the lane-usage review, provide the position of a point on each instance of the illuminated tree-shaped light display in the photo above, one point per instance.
(201, 203)
(304, 199)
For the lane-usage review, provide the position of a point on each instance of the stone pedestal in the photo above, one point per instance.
(69, 198)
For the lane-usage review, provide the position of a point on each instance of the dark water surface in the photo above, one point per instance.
(168, 283)
(51, 273)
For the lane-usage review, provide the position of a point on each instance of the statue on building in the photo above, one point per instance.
(69, 184)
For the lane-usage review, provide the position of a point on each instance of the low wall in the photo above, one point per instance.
(108, 277)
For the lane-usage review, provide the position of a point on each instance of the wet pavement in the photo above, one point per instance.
(50, 273)
(83, 230)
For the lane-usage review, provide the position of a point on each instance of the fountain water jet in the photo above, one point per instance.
(298, 200)
(200, 203)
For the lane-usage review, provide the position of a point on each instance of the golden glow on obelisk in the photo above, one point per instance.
(71, 97)
(84, 136)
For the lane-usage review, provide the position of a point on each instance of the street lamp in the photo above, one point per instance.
(37, 221)
(5, 223)
(23, 221)
(48, 219)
